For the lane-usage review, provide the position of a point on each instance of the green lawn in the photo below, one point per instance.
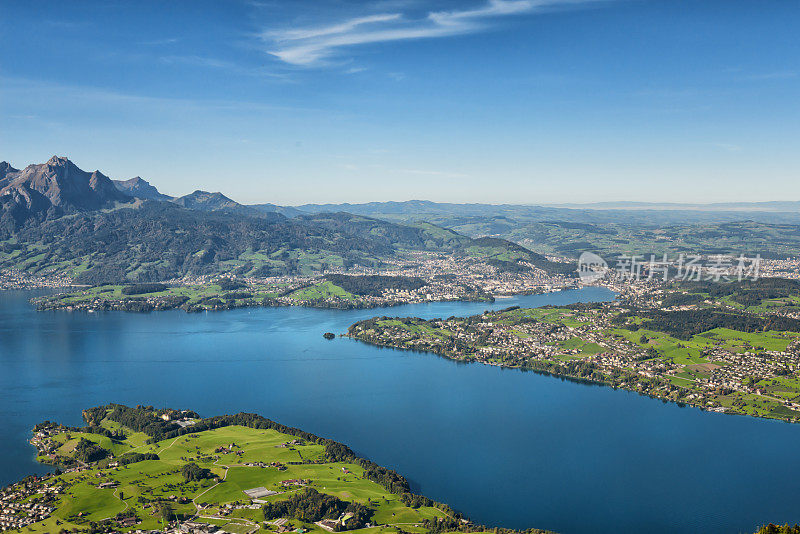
(322, 290)
(152, 480)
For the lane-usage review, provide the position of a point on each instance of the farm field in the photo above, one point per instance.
(134, 481)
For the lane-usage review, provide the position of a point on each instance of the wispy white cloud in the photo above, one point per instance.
(310, 46)
(495, 8)
(344, 27)
(160, 42)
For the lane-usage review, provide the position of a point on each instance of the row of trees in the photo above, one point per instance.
(683, 324)
(135, 457)
(141, 289)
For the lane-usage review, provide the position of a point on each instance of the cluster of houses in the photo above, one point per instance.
(295, 482)
(263, 465)
(282, 525)
(467, 276)
(230, 449)
(740, 367)
(16, 279)
(42, 439)
(25, 503)
(588, 335)
(780, 268)
(290, 444)
(331, 524)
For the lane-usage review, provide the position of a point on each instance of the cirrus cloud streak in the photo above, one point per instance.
(311, 46)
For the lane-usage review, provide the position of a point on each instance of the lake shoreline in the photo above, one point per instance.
(424, 417)
(567, 377)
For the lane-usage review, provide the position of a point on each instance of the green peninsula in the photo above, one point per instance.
(338, 291)
(703, 354)
(141, 469)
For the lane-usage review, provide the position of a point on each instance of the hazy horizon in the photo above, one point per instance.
(618, 203)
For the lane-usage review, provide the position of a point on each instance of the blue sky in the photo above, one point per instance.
(518, 101)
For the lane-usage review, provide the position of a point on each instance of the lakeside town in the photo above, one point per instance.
(747, 372)
(16, 279)
(446, 277)
(422, 277)
(18, 509)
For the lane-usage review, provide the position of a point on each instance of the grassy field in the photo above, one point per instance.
(226, 452)
(321, 291)
(199, 297)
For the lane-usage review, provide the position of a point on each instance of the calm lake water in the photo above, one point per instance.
(505, 447)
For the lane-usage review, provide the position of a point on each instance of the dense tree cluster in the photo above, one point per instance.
(375, 285)
(416, 501)
(233, 295)
(140, 289)
(227, 284)
(137, 419)
(194, 473)
(747, 292)
(457, 524)
(88, 451)
(676, 298)
(683, 324)
(135, 457)
(311, 506)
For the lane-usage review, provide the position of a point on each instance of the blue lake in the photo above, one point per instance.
(505, 447)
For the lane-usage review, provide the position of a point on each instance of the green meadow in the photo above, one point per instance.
(143, 487)
(204, 296)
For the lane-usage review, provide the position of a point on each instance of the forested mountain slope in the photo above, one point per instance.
(57, 218)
